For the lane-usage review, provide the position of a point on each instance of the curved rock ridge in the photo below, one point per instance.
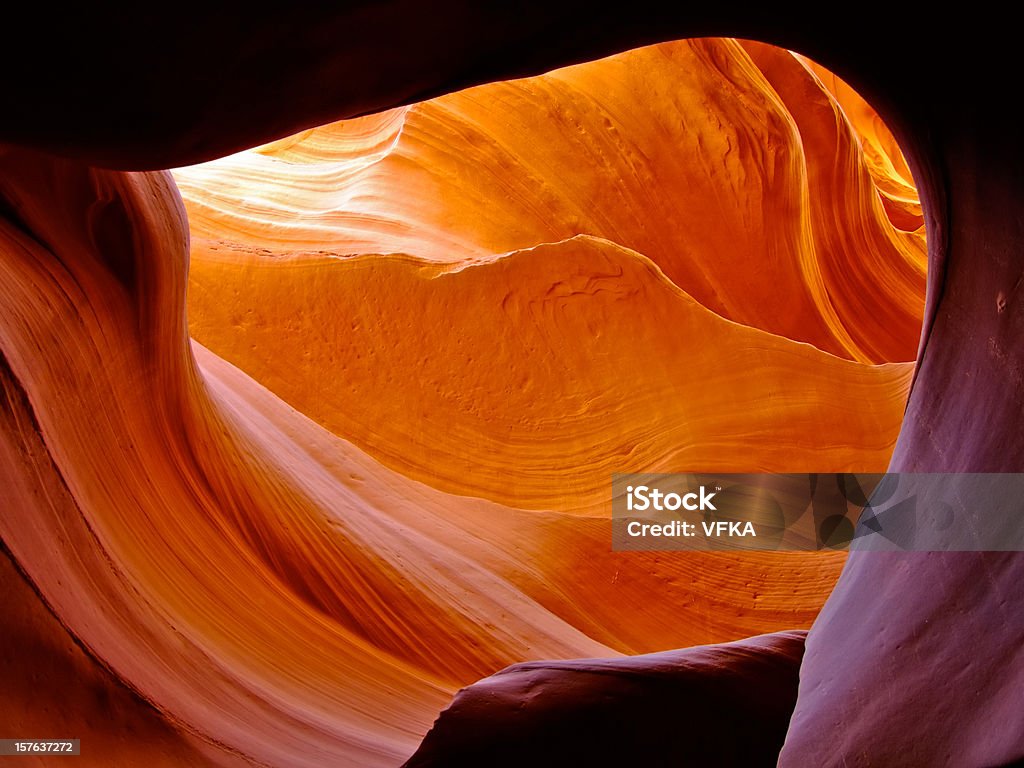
(729, 165)
(530, 378)
(885, 160)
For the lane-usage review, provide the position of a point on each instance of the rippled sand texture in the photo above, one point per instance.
(423, 341)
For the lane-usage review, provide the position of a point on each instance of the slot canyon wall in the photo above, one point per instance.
(210, 560)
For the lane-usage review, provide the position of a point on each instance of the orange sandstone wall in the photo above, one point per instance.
(663, 260)
(731, 166)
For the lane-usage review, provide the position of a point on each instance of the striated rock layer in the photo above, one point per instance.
(731, 167)
(529, 376)
(424, 340)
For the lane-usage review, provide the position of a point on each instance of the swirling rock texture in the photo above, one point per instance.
(247, 583)
(546, 257)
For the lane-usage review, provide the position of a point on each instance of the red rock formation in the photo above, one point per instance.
(144, 96)
(193, 503)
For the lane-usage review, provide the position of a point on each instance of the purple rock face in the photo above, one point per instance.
(916, 658)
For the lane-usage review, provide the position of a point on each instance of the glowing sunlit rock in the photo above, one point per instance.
(738, 176)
